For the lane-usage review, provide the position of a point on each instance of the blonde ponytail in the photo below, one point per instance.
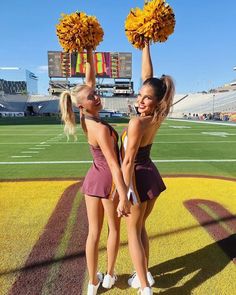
(67, 114)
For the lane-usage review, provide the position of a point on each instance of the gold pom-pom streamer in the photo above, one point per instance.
(152, 24)
(77, 31)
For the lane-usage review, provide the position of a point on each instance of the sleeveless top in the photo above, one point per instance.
(146, 183)
(98, 180)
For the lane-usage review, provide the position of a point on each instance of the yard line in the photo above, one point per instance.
(202, 122)
(32, 134)
(194, 128)
(39, 145)
(20, 157)
(155, 142)
(18, 143)
(187, 134)
(197, 141)
(193, 160)
(89, 162)
(28, 134)
(29, 152)
(37, 148)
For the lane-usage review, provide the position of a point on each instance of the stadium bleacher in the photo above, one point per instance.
(198, 103)
(205, 103)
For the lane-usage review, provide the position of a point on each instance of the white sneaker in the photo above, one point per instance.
(92, 289)
(134, 281)
(109, 281)
(145, 291)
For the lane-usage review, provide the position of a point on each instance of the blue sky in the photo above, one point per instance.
(199, 55)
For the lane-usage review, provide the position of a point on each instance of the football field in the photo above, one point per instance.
(40, 151)
(43, 220)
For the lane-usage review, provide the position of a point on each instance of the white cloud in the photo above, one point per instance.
(42, 69)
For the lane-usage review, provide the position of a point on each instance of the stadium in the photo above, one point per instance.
(41, 173)
(19, 98)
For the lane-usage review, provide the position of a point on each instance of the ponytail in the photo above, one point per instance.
(166, 102)
(67, 114)
(164, 90)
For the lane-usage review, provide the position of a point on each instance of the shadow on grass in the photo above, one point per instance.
(203, 262)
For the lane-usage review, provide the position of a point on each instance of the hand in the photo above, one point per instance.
(146, 42)
(123, 208)
(89, 48)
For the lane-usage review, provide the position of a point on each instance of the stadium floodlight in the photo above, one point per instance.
(9, 68)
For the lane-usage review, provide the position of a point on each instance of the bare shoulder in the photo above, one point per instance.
(100, 130)
(136, 125)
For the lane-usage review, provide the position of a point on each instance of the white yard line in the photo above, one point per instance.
(18, 157)
(88, 162)
(155, 142)
(32, 134)
(202, 122)
(10, 143)
(186, 134)
(37, 148)
(29, 152)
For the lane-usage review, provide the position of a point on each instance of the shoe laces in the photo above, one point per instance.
(134, 274)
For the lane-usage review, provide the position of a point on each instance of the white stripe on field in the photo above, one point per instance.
(39, 145)
(33, 134)
(37, 148)
(20, 157)
(29, 152)
(155, 142)
(202, 122)
(27, 134)
(88, 162)
(186, 134)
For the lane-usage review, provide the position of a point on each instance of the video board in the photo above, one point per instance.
(107, 64)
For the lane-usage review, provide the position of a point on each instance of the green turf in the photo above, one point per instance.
(176, 140)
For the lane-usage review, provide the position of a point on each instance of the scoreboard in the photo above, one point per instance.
(107, 64)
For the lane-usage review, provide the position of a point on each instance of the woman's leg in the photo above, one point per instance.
(95, 214)
(113, 240)
(144, 235)
(136, 249)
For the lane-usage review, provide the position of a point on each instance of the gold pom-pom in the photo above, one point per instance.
(77, 31)
(152, 24)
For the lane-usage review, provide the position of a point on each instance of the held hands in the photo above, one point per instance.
(123, 208)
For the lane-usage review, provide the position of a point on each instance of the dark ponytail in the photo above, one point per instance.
(164, 91)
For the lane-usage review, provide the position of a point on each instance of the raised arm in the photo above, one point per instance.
(90, 79)
(147, 70)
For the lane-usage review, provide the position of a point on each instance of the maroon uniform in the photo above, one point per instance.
(147, 182)
(98, 180)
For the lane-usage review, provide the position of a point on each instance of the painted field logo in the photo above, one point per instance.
(218, 222)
